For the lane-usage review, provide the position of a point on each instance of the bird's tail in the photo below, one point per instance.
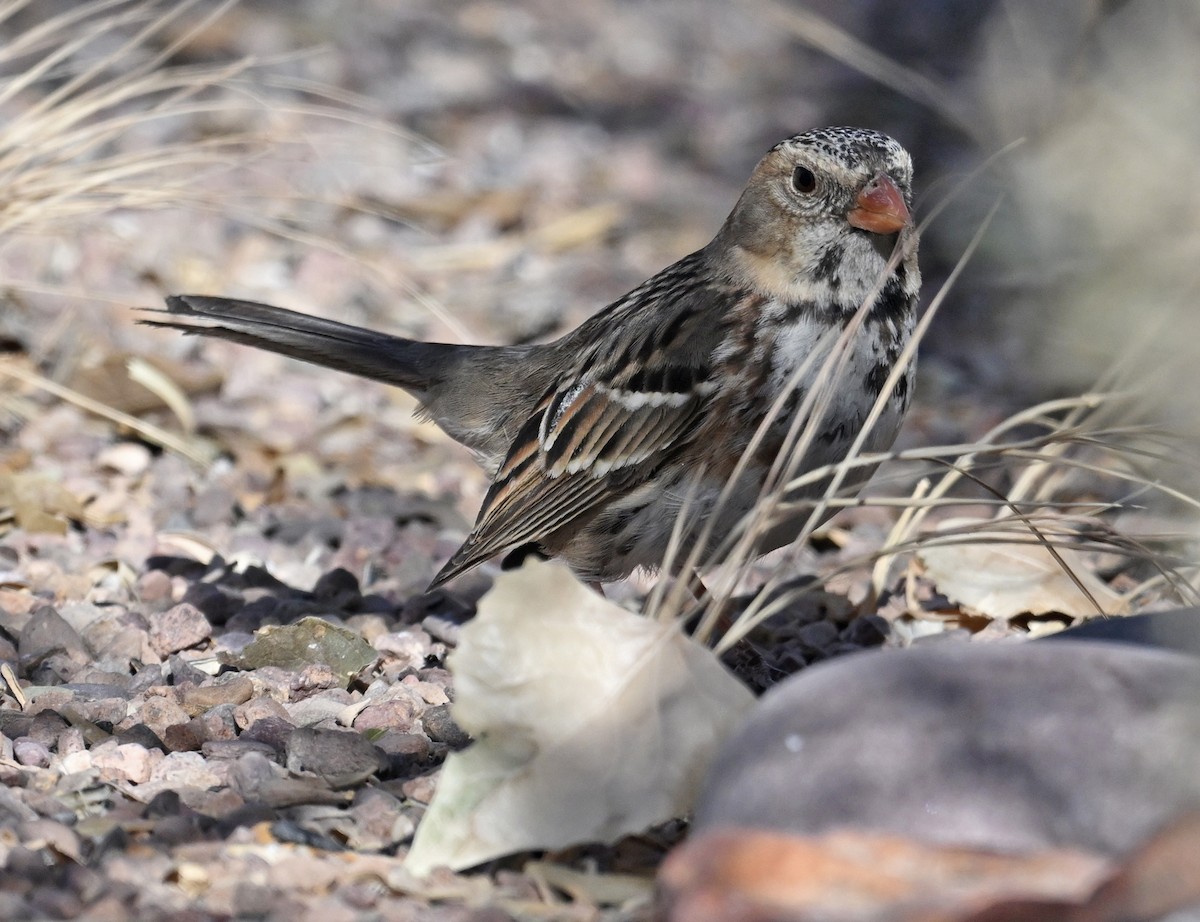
(415, 366)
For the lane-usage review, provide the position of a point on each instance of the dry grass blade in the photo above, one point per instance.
(192, 449)
(739, 548)
(165, 389)
(818, 32)
(1070, 426)
(1040, 521)
(104, 124)
(771, 502)
(832, 354)
(72, 154)
(56, 153)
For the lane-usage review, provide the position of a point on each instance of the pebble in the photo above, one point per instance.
(342, 758)
(31, 752)
(178, 628)
(233, 689)
(46, 633)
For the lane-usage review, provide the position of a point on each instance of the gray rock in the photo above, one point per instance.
(1178, 629)
(1094, 745)
(31, 752)
(47, 633)
(341, 758)
(178, 628)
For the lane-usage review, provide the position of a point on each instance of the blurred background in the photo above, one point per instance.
(512, 116)
(495, 171)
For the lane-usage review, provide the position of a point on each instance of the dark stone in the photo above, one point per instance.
(47, 633)
(866, 631)
(1007, 747)
(341, 758)
(440, 727)
(143, 736)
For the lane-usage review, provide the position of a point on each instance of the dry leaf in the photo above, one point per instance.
(138, 385)
(591, 723)
(1001, 579)
(38, 502)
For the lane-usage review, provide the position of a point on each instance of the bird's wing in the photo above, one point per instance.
(597, 429)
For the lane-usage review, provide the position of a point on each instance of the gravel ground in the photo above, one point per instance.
(517, 166)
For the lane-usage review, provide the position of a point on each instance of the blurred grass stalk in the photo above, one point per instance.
(103, 114)
(1103, 251)
(82, 88)
(1106, 187)
(1101, 268)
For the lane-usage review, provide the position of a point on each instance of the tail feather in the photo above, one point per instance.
(414, 366)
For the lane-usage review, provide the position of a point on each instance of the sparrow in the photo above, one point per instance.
(598, 441)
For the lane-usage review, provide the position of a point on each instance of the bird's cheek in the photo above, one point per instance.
(883, 244)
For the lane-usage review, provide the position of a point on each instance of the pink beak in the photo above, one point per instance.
(880, 207)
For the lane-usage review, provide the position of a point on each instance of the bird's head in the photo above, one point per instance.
(821, 215)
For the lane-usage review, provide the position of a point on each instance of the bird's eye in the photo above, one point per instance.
(803, 180)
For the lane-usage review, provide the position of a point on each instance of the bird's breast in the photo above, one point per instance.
(834, 379)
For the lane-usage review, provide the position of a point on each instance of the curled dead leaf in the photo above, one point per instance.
(996, 576)
(590, 723)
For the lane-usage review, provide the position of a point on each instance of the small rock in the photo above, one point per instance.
(47, 725)
(369, 627)
(313, 678)
(47, 633)
(14, 723)
(213, 506)
(867, 631)
(30, 752)
(216, 605)
(420, 789)
(341, 758)
(411, 647)
(128, 458)
(379, 821)
(255, 901)
(51, 835)
(76, 762)
(273, 731)
(183, 737)
(185, 769)
(116, 642)
(437, 676)
(441, 728)
(105, 711)
(13, 809)
(259, 708)
(124, 762)
(407, 753)
(232, 749)
(69, 741)
(178, 628)
(160, 712)
(142, 736)
(154, 586)
(183, 673)
(235, 689)
(338, 587)
(818, 635)
(252, 772)
(429, 692)
(218, 723)
(314, 710)
(395, 714)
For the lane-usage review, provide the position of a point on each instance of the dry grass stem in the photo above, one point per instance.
(194, 450)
